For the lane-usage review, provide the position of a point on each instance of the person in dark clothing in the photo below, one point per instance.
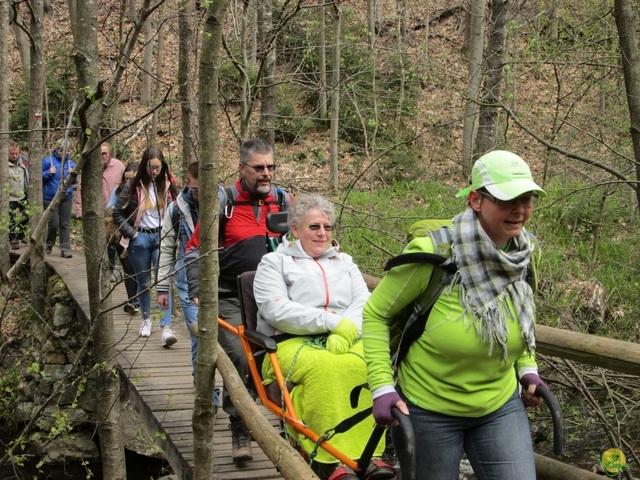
(55, 169)
(243, 211)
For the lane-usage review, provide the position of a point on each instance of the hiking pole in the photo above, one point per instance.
(556, 417)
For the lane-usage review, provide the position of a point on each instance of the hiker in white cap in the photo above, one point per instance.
(459, 381)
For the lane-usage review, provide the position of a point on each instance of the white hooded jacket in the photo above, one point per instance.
(301, 295)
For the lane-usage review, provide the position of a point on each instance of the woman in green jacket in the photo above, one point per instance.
(459, 380)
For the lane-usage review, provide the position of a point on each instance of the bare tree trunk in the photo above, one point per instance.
(322, 59)
(474, 34)
(336, 15)
(402, 19)
(493, 76)
(71, 4)
(4, 139)
(17, 23)
(253, 20)
(131, 9)
(186, 49)
(267, 124)
(401, 75)
(209, 269)
(36, 91)
(157, 96)
(555, 19)
(246, 68)
(627, 27)
(147, 65)
(425, 53)
(86, 59)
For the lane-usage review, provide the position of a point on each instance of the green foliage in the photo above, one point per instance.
(291, 122)
(9, 394)
(373, 226)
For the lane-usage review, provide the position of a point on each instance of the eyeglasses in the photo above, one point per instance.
(261, 168)
(314, 227)
(105, 153)
(154, 168)
(526, 201)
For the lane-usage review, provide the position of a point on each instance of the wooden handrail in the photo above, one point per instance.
(616, 355)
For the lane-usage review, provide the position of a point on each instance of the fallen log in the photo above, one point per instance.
(550, 469)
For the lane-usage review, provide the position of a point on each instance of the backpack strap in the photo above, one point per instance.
(231, 193)
(417, 321)
(175, 214)
(443, 271)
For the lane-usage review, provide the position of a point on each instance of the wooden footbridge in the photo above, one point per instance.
(159, 384)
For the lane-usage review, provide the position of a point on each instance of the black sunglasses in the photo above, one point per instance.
(261, 168)
(526, 201)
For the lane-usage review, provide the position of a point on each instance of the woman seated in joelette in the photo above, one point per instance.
(310, 296)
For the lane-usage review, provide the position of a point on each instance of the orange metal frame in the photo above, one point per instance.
(288, 414)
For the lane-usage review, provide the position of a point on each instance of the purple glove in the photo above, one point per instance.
(532, 378)
(382, 408)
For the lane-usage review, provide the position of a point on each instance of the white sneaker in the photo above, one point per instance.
(145, 328)
(168, 338)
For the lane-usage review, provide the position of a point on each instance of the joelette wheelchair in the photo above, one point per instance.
(277, 396)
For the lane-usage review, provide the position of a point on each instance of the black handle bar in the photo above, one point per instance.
(556, 416)
(408, 466)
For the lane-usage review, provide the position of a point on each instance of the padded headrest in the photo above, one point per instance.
(277, 222)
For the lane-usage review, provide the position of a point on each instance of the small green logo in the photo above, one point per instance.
(614, 462)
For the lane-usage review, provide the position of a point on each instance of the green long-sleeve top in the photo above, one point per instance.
(448, 369)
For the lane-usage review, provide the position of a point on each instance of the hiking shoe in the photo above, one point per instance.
(66, 254)
(343, 473)
(168, 338)
(240, 442)
(131, 309)
(378, 470)
(48, 250)
(145, 328)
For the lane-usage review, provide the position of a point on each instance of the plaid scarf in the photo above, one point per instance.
(488, 278)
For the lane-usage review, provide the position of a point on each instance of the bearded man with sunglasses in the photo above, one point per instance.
(242, 241)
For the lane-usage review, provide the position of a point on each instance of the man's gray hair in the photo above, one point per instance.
(253, 146)
(304, 204)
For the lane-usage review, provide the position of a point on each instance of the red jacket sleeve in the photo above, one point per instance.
(194, 241)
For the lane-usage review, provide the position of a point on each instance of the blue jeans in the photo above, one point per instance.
(498, 445)
(190, 313)
(143, 255)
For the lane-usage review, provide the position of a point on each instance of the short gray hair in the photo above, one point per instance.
(304, 204)
(253, 146)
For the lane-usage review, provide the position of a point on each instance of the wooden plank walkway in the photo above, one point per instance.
(159, 384)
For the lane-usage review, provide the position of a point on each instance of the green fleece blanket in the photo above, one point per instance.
(321, 396)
